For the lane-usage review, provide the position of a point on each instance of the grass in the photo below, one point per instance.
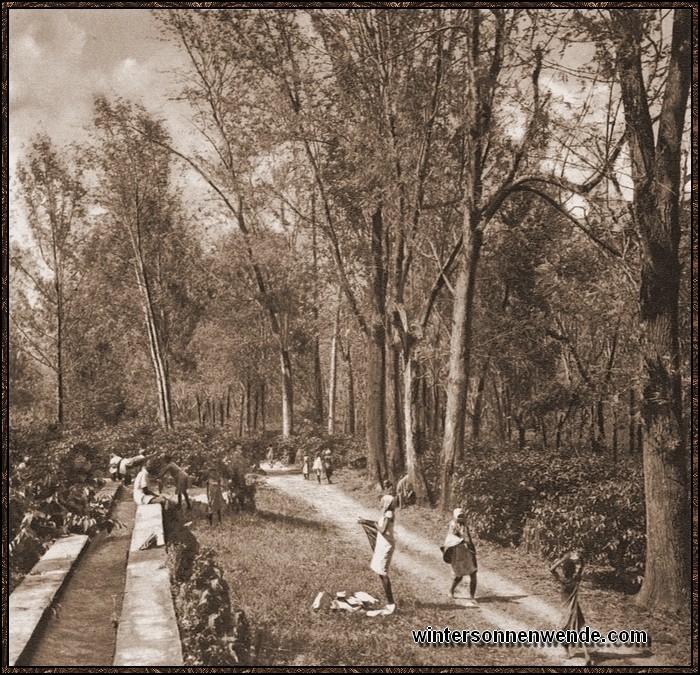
(276, 561)
(604, 608)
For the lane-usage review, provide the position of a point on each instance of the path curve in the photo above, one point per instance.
(504, 605)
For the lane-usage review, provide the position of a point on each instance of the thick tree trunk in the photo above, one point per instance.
(460, 356)
(656, 171)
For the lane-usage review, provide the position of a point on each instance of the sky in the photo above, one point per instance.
(61, 58)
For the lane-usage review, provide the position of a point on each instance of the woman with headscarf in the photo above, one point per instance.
(571, 566)
(383, 545)
(460, 552)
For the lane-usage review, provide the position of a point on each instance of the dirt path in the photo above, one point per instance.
(80, 632)
(503, 604)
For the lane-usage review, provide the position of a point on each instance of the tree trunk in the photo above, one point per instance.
(394, 414)
(479, 401)
(375, 411)
(256, 406)
(351, 414)
(656, 171)
(241, 417)
(333, 374)
(460, 355)
(414, 467)
(263, 411)
(287, 394)
(632, 441)
(154, 341)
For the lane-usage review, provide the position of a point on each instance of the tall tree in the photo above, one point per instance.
(135, 189)
(656, 156)
(52, 189)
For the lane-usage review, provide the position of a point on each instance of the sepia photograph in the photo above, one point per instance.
(350, 336)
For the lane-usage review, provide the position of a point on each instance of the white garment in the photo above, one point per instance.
(384, 548)
(141, 483)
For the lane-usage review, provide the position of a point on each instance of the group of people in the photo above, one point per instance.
(221, 482)
(323, 464)
(459, 551)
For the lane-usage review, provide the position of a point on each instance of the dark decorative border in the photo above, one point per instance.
(4, 258)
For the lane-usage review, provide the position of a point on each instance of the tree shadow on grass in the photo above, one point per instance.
(444, 606)
(601, 656)
(500, 598)
(287, 519)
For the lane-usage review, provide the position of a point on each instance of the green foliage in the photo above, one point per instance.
(561, 503)
(605, 520)
(53, 491)
(212, 635)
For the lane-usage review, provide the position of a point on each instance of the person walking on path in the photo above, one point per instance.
(381, 537)
(460, 552)
(305, 466)
(571, 566)
(143, 493)
(318, 467)
(328, 465)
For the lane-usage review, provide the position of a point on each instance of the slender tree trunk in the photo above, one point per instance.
(394, 414)
(256, 406)
(248, 407)
(154, 340)
(375, 412)
(460, 356)
(263, 412)
(479, 400)
(351, 414)
(333, 375)
(414, 467)
(241, 416)
(287, 394)
(632, 441)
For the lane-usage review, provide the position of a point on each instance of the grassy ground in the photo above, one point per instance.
(279, 558)
(604, 609)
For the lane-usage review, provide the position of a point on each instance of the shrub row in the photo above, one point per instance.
(554, 504)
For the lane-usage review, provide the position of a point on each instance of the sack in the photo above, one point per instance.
(448, 554)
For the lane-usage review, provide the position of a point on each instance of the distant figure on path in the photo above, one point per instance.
(571, 566)
(460, 552)
(143, 493)
(328, 465)
(318, 467)
(215, 497)
(405, 494)
(381, 537)
(305, 466)
(181, 479)
(270, 455)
